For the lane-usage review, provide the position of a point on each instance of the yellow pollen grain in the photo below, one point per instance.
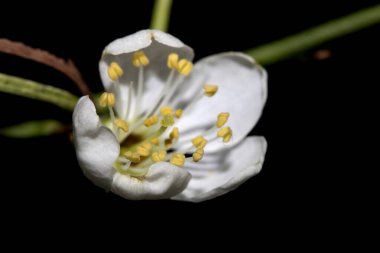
(140, 59)
(155, 141)
(172, 61)
(167, 120)
(177, 159)
(222, 119)
(210, 90)
(198, 155)
(174, 134)
(159, 156)
(107, 99)
(165, 110)
(178, 113)
(144, 149)
(184, 67)
(114, 71)
(132, 156)
(225, 133)
(151, 121)
(199, 142)
(122, 124)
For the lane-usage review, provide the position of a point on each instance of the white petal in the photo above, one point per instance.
(242, 92)
(225, 171)
(157, 46)
(163, 181)
(96, 146)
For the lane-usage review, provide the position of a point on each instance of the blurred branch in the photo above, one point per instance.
(161, 15)
(33, 129)
(66, 67)
(38, 91)
(294, 44)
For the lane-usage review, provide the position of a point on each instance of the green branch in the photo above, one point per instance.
(294, 44)
(161, 15)
(38, 91)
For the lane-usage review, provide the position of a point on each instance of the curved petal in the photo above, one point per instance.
(163, 181)
(96, 146)
(242, 92)
(225, 171)
(157, 46)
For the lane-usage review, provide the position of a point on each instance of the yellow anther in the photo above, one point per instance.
(132, 156)
(174, 134)
(172, 61)
(166, 110)
(114, 71)
(177, 159)
(144, 149)
(225, 133)
(159, 156)
(107, 99)
(184, 67)
(167, 120)
(122, 124)
(155, 141)
(222, 119)
(210, 90)
(151, 121)
(140, 59)
(168, 143)
(178, 113)
(198, 154)
(199, 142)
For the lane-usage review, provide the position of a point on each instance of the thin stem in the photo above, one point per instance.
(161, 15)
(294, 44)
(38, 91)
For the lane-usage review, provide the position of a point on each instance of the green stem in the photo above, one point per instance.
(294, 44)
(38, 91)
(161, 15)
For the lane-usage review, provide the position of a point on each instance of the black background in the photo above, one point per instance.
(311, 121)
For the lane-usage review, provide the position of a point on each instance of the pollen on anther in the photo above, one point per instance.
(178, 159)
(199, 142)
(132, 156)
(184, 67)
(166, 110)
(174, 134)
(198, 155)
(151, 121)
(114, 71)
(159, 156)
(172, 61)
(107, 99)
(144, 149)
(140, 59)
(122, 124)
(155, 141)
(178, 113)
(222, 119)
(225, 133)
(210, 90)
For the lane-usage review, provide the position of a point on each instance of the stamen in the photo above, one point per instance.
(210, 90)
(222, 119)
(114, 71)
(178, 113)
(172, 61)
(121, 124)
(198, 154)
(174, 134)
(225, 133)
(140, 59)
(155, 141)
(168, 143)
(184, 67)
(144, 149)
(107, 99)
(151, 121)
(159, 156)
(165, 110)
(167, 120)
(132, 156)
(199, 142)
(178, 159)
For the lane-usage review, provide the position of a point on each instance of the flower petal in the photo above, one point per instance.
(96, 146)
(242, 92)
(222, 172)
(163, 181)
(157, 46)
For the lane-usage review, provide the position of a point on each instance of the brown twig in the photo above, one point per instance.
(66, 67)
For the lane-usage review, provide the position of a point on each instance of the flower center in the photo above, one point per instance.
(148, 136)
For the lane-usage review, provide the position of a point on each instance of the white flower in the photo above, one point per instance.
(174, 131)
